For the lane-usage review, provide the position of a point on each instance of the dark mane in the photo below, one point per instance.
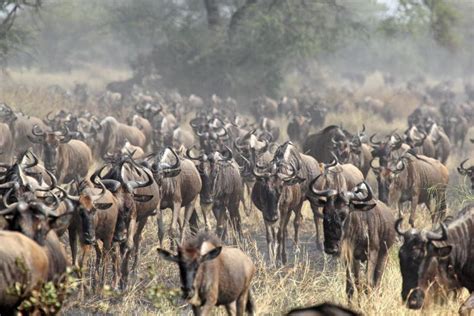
(328, 128)
(195, 241)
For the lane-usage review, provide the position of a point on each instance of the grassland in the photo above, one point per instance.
(310, 278)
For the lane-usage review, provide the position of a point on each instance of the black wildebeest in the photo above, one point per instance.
(213, 275)
(359, 228)
(443, 257)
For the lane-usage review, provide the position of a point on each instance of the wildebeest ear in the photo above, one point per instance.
(60, 222)
(211, 254)
(363, 207)
(166, 255)
(102, 206)
(142, 198)
(442, 252)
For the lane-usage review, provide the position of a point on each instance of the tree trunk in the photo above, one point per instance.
(212, 9)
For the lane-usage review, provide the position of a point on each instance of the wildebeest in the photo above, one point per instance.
(281, 189)
(21, 127)
(141, 196)
(221, 188)
(145, 127)
(419, 180)
(319, 145)
(298, 128)
(6, 143)
(63, 156)
(440, 141)
(421, 142)
(250, 151)
(37, 222)
(359, 228)
(325, 309)
(95, 219)
(19, 252)
(443, 257)
(277, 194)
(214, 275)
(180, 185)
(114, 134)
(468, 172)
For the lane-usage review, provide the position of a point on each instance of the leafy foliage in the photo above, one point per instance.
(11, 37)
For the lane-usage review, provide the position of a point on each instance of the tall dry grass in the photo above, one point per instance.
(310, 278)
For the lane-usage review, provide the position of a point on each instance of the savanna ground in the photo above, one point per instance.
(310, 277)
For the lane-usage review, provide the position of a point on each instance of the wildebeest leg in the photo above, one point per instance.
(242, 301)
(136, 243)
(115, 265)
(174, 220)
(378, 270)
(282, 234)
(219, 213)
(372, 260)
(297, 223)
(196, 310)
(189, 210)
(413, 205)
(231, 309)
(349, 283)
(161, 227)
(270, 243)
(99, 255)
(467, 306)
(235, 218)
(316, 218)
(72, 231)
(84, 256)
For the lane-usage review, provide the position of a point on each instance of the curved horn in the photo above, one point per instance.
(443, 236)
(461, 169)
(9, 207)
(141, 184)
(50, 120)
(188, 154)
(369, 195)
(376, 143)
(316, 192)
(398, 169)
(398, 227)
(36, 130)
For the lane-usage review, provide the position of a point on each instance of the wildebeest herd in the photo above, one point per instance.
(94, 181)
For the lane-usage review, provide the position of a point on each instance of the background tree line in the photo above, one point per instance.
(240, 47)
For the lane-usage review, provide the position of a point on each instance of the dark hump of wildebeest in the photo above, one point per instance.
(325, 309)
(319, 145)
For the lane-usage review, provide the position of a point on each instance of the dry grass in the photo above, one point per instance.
(309, 278)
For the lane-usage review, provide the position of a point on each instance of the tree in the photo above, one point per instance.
(12, 38)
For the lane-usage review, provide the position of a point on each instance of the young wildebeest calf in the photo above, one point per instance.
(212, 275)
(441, 258)
(363, 236)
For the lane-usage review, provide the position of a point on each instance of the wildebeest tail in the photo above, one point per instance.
(250, 307)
